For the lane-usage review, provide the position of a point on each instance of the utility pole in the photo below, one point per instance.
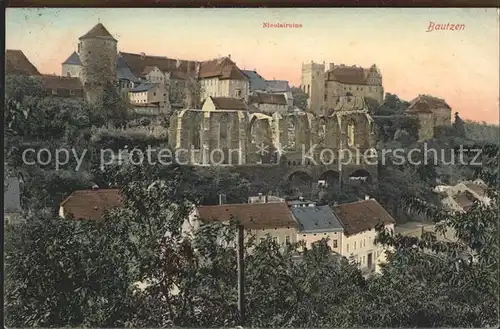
(241, 266)
(241, 273)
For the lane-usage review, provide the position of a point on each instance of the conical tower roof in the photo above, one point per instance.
(98, 31)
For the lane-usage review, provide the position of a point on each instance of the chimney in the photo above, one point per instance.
(222, 199)
(229, 56)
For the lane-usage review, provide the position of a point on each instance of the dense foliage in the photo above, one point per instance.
(135, 269)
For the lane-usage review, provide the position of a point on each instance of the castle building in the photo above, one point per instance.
(432, 112)
(325, 87)
(97, 52)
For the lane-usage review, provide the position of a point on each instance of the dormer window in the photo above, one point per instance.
(54, 91)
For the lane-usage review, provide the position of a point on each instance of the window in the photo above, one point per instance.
(350, 133)
(72, 92)
(354, 245)
(261, 239)
(54, 91)
(347, 248)
(154, 94)
(287, 239)
(335, 244)
(326, 97)
(363, 262)
(275, 239)
(364, 245)
(238, 93)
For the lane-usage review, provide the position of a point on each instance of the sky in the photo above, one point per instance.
(460, 66)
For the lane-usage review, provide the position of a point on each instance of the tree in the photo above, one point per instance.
(299, 98)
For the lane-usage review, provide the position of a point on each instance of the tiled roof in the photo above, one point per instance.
(352, 75)
(12, 196)
(228, 103)
(317, 219)
(223, 68)
(73, 59)
(268, 98)
(98, 31)
(256, 81)
(360, 216)
(143, 87)
(91, 204)
(426, 103)
(478, 189)
(17, 63)
(251, 215)
(179, 69)
(58, 82)
(464, 200)
(278, 85)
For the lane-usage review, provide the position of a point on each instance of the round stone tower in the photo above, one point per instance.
(97, 50)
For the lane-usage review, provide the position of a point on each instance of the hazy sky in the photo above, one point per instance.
(460, 66)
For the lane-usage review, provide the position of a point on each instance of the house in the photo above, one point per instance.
(66, 87)
(258, 84)
(149, 93)
(316, 223)
(260, 219)
(417, 229)
(432, 112)
(16, 63)
(90, 204)
(265, 199)
(221, 77)
(12, 200)
(269, 103)
(224, 103)
(462, 196)
(359, 220)
(280, 87)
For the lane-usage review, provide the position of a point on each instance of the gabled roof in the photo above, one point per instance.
(73, 59)
(228, 103)
(426, 104)
(179, 69)
(278, 85)
(360, 216)
(98, 31)
(222, 68)
(268, 98)
(91, 204)
(58, 82)
(251, 215)
(464, 199)
(17, 63)
(143, 87)
(316, 219)
(256, 81)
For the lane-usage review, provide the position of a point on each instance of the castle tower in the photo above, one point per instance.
(313, 83)
(97, 50)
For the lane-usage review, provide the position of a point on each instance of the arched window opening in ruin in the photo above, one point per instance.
(321, 131)
(195, 141)
(223, 127)
(291, 133)
(351, 127)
